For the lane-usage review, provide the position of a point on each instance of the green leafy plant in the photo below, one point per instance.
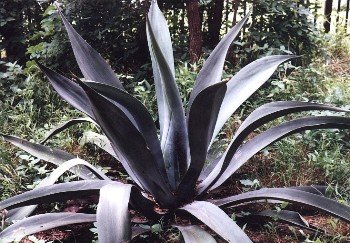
(168, 172)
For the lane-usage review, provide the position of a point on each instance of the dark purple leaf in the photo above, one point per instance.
(174, 137)
(90, 62)
(128, 142)
(217, 220)
(212, 69)
(201, 123)
(290, 195)
(112, 215)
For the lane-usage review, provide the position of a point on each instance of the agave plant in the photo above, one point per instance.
(170, 170)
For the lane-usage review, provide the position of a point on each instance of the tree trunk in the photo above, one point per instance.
(338, 12)
(327, 14)
(214, 23)
(195, 30)
(236, 4)
(347, 15)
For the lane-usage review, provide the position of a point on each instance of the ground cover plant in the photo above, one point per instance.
(169, 175)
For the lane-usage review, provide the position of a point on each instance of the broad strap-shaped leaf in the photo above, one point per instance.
(52, 178)
(195, 234)
(201, 124)
(162, 34)
(253, 146)
(48, 221)
(141, 202)
(257, 118)
(102, 142)
(217, 220)
(209, 168)
(315, 189)
(274, 110)
(90, 62)
(245, 83)
(71, 165)
(73, 93)
(212, 69)
(174, 138)
(63, 126)
(286, 216)
(55, 193)
(140, 118)
(143, 119)
(130, 144)
(112, 216)
(290, 195)
(68, 90)
(127, 165)
(52, 155)
(43, 222)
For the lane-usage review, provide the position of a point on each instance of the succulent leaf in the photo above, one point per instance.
(129, 142)
(63, 126)
(201, 124)
(174, 137)
(68, 90)
(286, 216)
(90, 62)
(217, 220)
(291, 195)
(52, 155)
(247, 150)
(142, 118)
(74, 94)
(112, 215)
(41, 222)
(162, 35)
(245, 83)
(21, 213)
(55, 193)
(212, 69)
(257, 118)
(103, 143)
(195, 234)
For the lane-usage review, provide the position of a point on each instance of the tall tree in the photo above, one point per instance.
(236, 4)
(195, 30)
(214, 22)
(328, 13)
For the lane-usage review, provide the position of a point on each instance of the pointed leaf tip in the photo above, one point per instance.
(245, 83)
(174, 138)
(93, 66)
(68, 90)
(212, 69)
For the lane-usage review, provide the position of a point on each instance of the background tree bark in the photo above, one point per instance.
(328, 13)
(195, 30)
(214, 22)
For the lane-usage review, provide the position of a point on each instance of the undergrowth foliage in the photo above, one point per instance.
(169, 172)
